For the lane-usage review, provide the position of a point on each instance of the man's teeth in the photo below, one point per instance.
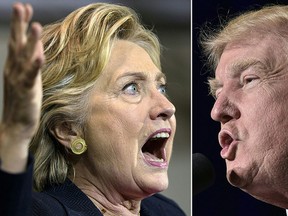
(161, 135)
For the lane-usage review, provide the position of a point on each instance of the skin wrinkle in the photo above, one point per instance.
(258, 190)
(235, 180)
(111, 204)
(101, 193)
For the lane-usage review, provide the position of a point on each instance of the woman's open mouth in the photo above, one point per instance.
(153, 150)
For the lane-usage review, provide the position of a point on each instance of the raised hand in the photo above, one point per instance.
(22, 89)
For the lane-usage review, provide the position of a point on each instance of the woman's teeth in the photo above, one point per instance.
(161, 135)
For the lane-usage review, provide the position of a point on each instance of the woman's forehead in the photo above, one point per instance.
(126, 57)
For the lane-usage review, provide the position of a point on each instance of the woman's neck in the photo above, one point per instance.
(124, 208)
(108, 202)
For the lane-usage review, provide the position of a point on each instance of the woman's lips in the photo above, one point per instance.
(153, 151)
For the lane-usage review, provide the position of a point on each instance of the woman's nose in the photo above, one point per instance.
(162, 107)
(224, 110)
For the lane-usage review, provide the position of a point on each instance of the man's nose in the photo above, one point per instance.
(224, 109)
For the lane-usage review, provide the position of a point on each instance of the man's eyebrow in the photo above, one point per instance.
(236, 68)
(214, 85)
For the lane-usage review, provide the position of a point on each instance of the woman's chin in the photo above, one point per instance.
(156, 185)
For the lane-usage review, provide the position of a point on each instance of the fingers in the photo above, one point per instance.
(28, 13)
(25, 54)
(21, 17)
(34, 49)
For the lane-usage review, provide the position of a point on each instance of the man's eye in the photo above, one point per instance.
(131, 89)
(248, 79)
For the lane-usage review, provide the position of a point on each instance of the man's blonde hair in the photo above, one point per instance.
(271, 20)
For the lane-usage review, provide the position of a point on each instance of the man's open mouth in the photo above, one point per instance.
(154, 149)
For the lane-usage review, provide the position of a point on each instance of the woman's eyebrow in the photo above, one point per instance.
(161, 75)
(141, 75)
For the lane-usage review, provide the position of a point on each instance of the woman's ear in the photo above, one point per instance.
(65, 133)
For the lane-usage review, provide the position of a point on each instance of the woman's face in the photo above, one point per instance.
(131, 125)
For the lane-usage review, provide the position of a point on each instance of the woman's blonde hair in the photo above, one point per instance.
(77, 50)
(271, 19)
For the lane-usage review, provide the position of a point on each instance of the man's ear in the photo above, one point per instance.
(65, 133)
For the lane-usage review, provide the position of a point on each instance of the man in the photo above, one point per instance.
(250, 59)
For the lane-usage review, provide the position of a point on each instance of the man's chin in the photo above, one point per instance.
(238, 180)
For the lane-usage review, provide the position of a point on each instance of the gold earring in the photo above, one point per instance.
(78, 146)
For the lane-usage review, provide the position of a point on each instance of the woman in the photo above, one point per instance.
(103, 138)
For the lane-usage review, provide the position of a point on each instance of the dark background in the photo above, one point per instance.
(221, 199)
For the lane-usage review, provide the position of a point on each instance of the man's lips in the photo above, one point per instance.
(229, 144)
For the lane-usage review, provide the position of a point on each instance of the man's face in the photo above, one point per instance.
(251, 90)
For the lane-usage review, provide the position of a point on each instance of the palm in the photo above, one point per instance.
(22, 89)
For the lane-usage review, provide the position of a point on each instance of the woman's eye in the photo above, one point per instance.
(131, 89)
(162, 89)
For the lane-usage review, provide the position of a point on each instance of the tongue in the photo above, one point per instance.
(154, 161)
(150, 157)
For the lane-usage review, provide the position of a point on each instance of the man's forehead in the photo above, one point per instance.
(265, 50)
(258, 41)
